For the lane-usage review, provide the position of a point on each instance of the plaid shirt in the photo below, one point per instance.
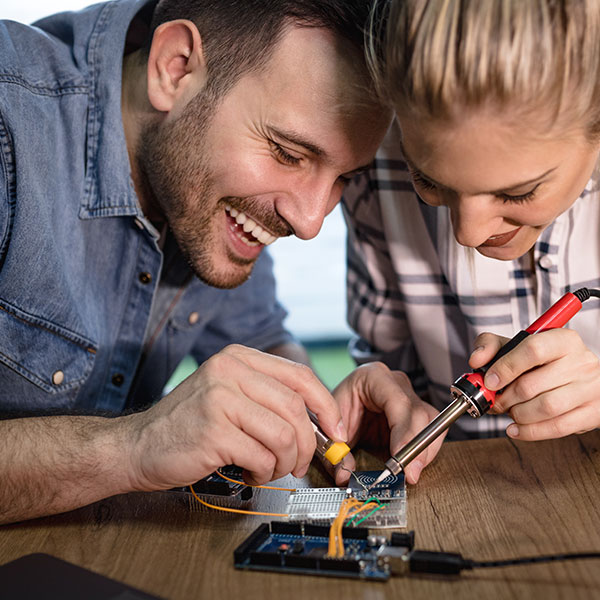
(417, 299)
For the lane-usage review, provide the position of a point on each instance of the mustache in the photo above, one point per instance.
(255, 209)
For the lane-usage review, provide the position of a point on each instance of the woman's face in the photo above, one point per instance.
(503, 184)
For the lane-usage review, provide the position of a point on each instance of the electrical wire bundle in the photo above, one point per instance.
(336, 541)
(350, 508)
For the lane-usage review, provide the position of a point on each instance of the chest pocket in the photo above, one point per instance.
(42, 365)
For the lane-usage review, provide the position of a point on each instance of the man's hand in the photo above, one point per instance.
(380, 409)
(240, 407)
(551, 383)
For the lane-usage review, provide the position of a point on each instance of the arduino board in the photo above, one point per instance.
(301, 548)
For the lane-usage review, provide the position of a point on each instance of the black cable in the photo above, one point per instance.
(483, 564)
(448, 563)
(584, 293)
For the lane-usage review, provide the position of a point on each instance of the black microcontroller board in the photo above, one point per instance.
(301, 548)
(215, 485)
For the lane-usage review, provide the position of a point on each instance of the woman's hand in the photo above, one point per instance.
(550, 382)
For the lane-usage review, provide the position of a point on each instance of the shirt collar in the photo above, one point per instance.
(109, 189)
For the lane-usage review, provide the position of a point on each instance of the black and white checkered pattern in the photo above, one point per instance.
(417, 299)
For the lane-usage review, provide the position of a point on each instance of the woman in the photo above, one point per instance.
(482, 208)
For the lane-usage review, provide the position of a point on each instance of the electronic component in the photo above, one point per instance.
(301, 548)
(219, 491)
(322, 505)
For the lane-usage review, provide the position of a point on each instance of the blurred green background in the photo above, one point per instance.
(331, 362)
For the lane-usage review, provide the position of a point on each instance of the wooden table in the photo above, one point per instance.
(486, 499)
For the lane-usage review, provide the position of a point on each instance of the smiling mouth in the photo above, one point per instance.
(500, 240)
(248, 230)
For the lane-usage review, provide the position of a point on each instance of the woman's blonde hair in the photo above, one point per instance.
(434, 58)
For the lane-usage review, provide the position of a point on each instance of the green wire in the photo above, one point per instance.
(374, 510)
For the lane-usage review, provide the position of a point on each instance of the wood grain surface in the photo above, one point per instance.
(487, 499)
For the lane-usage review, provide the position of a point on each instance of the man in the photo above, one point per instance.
(139, 188)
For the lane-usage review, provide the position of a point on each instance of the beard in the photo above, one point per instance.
(175, 173)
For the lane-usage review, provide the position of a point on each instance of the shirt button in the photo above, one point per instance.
(545, 262)
(193, 318)
(145, 278)
(118, 379)
(58, 377)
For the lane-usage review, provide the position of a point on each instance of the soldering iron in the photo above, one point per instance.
(470, 394)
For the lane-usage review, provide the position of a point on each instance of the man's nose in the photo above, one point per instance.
(307, 206)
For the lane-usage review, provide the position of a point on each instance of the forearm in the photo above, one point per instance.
(54, 464)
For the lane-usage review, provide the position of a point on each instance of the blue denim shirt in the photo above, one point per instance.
(94, 316)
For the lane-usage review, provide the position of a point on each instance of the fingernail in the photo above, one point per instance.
(478, 349)
(340, 432)
(416, 468)
(512, 430)
(491, 380)
(301, 472)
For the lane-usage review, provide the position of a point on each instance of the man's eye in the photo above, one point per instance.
(284, 156)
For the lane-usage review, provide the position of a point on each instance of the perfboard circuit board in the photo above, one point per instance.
(321, 505)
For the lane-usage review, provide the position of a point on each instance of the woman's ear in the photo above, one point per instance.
(176, 66)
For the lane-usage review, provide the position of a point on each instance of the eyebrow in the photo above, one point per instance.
(294, 138)
(493, 192)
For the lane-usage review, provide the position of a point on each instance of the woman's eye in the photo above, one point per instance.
(520, 197)
(421, 182)
(284, 156)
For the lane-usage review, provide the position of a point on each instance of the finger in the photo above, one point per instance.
(535, 383)
(268, 428)
(302, 380)
(549, 405)
(532, 352)
(289, 406)
(258, 462)
(581, 419)
(342, 471)
(279, 399)
(413, 470)
(422, 415)
(486, 346)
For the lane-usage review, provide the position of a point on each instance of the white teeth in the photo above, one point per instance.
(265, 238)
(250, 226)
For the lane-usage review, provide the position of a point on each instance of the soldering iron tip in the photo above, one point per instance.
(383, 475)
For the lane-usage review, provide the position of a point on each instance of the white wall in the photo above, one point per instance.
(310, 275)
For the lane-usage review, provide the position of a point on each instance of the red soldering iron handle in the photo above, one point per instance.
(555, 317)
(470, 385)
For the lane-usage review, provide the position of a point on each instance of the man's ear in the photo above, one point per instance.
(176, 66)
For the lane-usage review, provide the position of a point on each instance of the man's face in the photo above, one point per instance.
(503, 184)
(269, 161)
